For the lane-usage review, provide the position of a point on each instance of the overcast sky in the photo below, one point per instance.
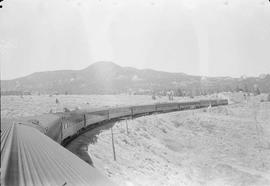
(199, 37)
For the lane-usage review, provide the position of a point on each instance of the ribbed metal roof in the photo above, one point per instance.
(28, 157)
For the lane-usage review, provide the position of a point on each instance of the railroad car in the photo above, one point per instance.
(96, 117)
(142, 109)
(214, 103)
(119, 112)
(70, 128)
(222, 102)
(164, 107)
(184, 105)
(71, 123)
(205, 103)
(194, 104)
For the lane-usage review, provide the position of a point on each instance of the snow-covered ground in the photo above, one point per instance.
(228, 145)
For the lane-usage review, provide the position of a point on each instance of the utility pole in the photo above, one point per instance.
(127, 126)
(114, 156)
(62, 128)
(84, 120)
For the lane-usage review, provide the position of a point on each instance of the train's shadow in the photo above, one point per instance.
(79, 145)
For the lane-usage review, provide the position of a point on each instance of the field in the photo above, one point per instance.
(227, 145)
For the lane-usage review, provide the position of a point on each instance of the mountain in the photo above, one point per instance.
(109, 78)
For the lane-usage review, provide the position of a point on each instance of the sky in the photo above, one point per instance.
(198, 37)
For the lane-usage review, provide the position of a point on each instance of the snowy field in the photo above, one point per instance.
(228, 145)
(16, 106)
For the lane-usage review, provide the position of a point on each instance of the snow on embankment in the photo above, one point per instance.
(227, 146)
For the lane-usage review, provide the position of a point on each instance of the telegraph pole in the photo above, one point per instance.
(61, 129)
(114, 156)
(84, 120)
(127, 126)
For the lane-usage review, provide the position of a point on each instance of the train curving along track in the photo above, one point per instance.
(30, 150)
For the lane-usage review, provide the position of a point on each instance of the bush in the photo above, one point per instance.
(66, 110)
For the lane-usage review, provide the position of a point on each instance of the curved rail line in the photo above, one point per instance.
(77, 122)
(29, 157)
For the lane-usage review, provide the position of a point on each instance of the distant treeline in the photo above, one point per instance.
(14, 93)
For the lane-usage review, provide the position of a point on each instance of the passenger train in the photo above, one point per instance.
(75, 122)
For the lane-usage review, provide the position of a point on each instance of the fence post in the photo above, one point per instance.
(84, 119)
(114, 156)
(61, 126)
(127, 126)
